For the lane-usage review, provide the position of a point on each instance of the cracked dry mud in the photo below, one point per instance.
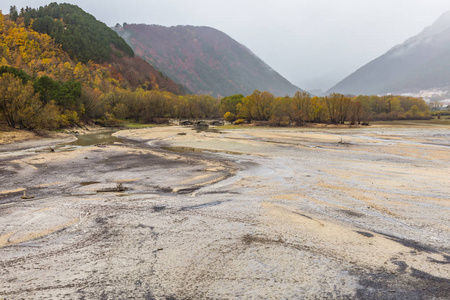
(241, 214)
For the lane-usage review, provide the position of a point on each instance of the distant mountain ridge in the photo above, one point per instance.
(204, 60)
(420, 63)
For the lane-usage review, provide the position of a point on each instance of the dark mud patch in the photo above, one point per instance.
(188, 190)
(8, 170)
(402, 266)
(86, 183)
(101, 221)
(119, 188)
(416, 285)
(125, 162)
(351, 213)
(209, 204)
(163, 189)
(303, 215)
(410, 243)
(31, 194)
(442, 262)
(366, 234)
(158, 208)
(140, 225)
(220, 192)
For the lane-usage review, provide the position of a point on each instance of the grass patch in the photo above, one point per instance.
(138, 126)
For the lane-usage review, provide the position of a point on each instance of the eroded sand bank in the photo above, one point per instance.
(253, 213)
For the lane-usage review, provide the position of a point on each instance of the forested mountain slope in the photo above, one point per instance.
(204, 60)
(64, 42)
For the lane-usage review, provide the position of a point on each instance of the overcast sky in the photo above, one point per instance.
(313, 43)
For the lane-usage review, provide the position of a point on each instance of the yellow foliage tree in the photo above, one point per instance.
(21, 107)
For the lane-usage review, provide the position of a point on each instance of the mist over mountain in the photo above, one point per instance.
(204, 60)
(420, 63)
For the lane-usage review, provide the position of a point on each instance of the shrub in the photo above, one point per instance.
(229, 117)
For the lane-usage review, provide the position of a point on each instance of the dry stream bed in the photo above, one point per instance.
(172, 213)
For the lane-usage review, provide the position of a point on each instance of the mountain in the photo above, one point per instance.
(88, 41)
(204, 60)
(420, 63)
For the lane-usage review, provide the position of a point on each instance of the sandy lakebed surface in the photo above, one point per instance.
(172, 213)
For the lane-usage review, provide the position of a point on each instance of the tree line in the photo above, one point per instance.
(43, 103)
(302, 108)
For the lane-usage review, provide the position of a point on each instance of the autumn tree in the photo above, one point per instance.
(356, 112)
(317, 113)
(395, 110)
(282, 111)
(93, 107)
(337, 106)
(302, 107)
(22, 108)
(257, 106)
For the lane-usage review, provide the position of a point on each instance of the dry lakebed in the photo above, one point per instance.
(252, 213)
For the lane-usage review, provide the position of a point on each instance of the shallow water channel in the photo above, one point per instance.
(103, 138)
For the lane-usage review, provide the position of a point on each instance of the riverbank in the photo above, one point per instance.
(171, 212)
(10, 136)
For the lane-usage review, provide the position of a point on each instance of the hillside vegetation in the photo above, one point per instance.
(205, 60)
(79, 33)
(67, 90)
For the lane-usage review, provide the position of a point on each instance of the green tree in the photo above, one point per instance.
(13, 13)
(338, 107)
(230, 103)
(78, 32)
(16, 72)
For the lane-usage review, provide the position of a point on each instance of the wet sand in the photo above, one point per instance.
(250, 214)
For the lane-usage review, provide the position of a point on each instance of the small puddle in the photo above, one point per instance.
(86, 140)
(103, 138)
